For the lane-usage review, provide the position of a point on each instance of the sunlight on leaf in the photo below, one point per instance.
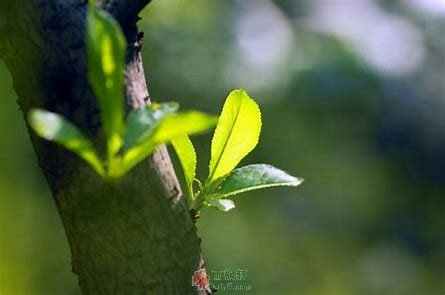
(171, 127)
(187, 156)
(253, 177)
(54, 127)
(189, 122)
(142, 122)
(106, 47)
(236, 134)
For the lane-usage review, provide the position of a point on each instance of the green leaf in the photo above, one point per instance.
(170, 127)
(142, 122)
(106, 48)
(222, 204)
(253, 177)
(236, 134)
(190, 122)
(54, 127)
(187, 156)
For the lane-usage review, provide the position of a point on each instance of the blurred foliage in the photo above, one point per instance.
(369, 142)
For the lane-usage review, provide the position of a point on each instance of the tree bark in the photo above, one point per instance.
(135, 237)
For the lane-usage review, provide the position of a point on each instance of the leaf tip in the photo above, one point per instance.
(223, 205)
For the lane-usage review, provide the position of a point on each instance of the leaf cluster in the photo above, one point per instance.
(129, 140)
(236, 135)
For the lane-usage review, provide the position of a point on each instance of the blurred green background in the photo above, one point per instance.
(353, 100)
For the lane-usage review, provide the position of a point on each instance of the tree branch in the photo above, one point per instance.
(135, 237)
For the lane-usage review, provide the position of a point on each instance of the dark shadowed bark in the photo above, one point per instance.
(135, 237)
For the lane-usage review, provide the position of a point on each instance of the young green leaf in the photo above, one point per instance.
(169, 128)
(142, 122)
(54, 127)
(106, 47)
(254, 177)
(223, 205)
(187, 156)
(189, 122)
(236, 134)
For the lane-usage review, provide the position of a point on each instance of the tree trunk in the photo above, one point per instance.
(135, 237)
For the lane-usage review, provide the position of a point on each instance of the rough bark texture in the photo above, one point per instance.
(136, 237)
